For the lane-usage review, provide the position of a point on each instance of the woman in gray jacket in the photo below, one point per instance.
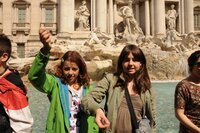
(132, 74)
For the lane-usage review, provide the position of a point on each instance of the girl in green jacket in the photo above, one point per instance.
(65, 90)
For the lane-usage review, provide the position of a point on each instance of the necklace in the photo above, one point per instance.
(76, 86)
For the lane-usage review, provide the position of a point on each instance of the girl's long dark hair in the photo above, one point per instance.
(141, 78)
(73, 56)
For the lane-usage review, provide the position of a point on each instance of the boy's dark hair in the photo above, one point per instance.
(5, 45)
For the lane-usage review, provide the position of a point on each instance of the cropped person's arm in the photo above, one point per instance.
(185, 121)
(91, 102)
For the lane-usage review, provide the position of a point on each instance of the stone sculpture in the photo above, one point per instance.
(83, 17)
(131, 25)
(93, 39)
(169, 43)
(171, 18)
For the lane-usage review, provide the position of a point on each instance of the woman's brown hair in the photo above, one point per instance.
(142, 80)
(73, 56)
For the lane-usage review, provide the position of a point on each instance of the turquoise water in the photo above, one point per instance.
(166, 121)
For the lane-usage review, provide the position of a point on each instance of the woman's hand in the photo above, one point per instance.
(101, 120)
(45, 38)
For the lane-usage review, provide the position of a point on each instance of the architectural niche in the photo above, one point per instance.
(82, 17)
(48, 21)
(21, 22)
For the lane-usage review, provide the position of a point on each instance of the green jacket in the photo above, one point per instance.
(47, 83)
(114, 93)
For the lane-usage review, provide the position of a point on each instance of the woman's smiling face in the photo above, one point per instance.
(131, 65)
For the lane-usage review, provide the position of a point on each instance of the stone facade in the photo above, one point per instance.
(21, 19)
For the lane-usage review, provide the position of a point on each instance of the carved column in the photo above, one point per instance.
(189, 16)
(147, 18)
(137, 12)
(115, 11)
(16, 15)
(43, 14)
(27, 14)
(181, 17)
(93, 16)
(54, 15)
(66, 13)
(152, 17)
(101, 13)
(159, 17)
(111, 15)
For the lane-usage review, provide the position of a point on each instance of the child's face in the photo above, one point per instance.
(130, 65)
(70, 71)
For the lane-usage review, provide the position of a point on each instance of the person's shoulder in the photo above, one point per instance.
(110, 75)
(112, 78)
(12, 73)
(14, 77)
(183, 82)
(183, 85)
(150, 92)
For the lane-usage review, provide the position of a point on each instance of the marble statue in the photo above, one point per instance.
(93, 39)
(170, 44)
(191, 41)
(131, 25)
(83, 17)
(171, 18)
(107, 40)
(96, 34)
